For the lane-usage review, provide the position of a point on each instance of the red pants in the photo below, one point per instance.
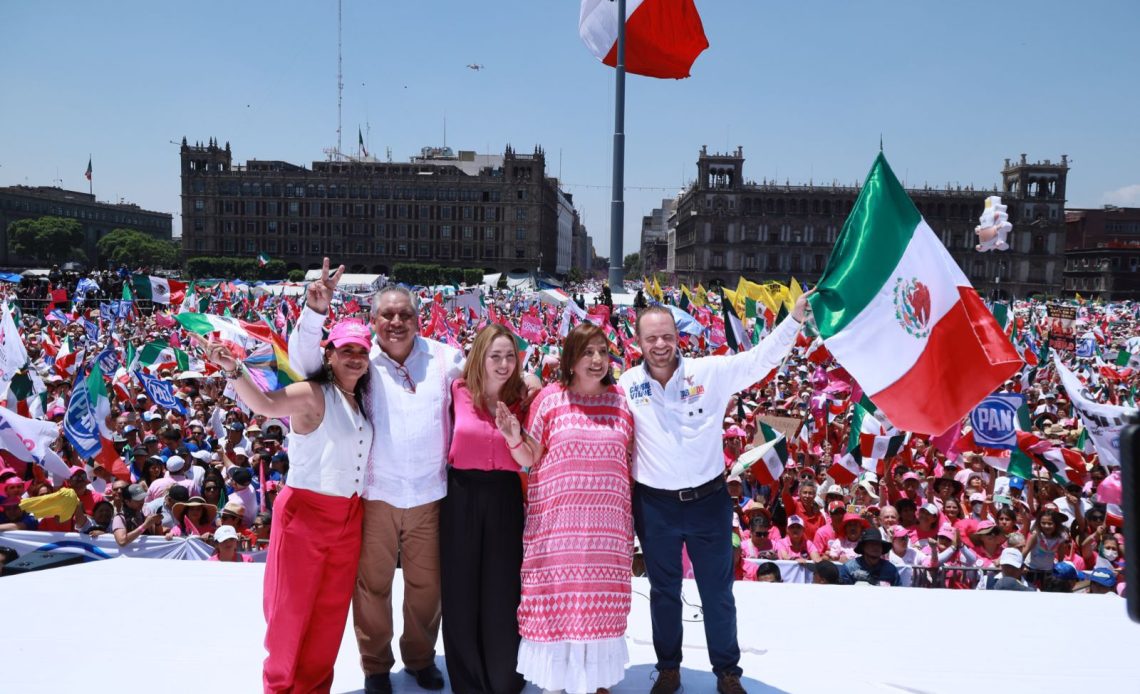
(314, 546)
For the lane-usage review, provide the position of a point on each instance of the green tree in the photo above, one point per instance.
(135, 249)
(296, 275)
(632, 264)
(54, 239)
(574, 276)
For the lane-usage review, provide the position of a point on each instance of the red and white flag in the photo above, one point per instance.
(662, 37)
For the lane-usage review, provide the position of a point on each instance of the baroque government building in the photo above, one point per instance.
(726, 225)
(499, 212)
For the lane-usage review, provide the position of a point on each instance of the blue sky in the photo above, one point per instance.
(805, 87)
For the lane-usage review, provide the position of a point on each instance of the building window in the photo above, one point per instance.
(520, 252)
(468, 233)
(718, 261)
(520, 214)
(401, 249)
(445, 232)
(199, 225)
(468, 252)
(489, 233)
(423, 250)
(199, 205)
(444, 251)
(520, 234)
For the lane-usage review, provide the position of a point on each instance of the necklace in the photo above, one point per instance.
(346, 392)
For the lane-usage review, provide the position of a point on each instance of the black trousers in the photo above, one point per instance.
(480, 528)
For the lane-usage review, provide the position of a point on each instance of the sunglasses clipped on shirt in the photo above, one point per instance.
(409, 384)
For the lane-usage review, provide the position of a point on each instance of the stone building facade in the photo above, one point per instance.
(496, 212)
(728, 226)
(97, 218)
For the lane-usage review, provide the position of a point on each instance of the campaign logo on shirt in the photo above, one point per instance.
(691, 391)
(640, 393)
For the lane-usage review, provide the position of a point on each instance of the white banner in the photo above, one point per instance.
(105, 547)
(13, 356)
(1103, 422)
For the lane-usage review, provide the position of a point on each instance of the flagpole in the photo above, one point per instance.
(617, 205)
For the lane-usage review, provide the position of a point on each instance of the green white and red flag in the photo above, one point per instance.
(898, 314)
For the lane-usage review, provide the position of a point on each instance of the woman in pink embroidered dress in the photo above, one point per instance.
(578, 540)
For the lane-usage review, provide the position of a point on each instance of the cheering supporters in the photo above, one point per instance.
(768, 463)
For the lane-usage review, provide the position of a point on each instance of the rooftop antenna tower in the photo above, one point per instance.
(339, 77)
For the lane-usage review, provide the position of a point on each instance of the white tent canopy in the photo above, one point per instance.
(351, 282)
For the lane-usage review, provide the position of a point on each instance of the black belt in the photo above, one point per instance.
(691, 494)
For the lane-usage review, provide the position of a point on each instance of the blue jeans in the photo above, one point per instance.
(664, 523)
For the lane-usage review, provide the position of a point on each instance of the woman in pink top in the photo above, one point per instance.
(796, 545)
(988, 541)
(481, 522)
(761, 542)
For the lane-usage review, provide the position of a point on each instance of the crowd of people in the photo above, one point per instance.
(520, 461)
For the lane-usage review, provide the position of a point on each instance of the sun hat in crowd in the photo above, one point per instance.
(179, 510)
(226, 532)
(735, 432)
(1011, 556)
(350, 332)
(234, 507)
(869, 487)
(855, 518)
(872, 535)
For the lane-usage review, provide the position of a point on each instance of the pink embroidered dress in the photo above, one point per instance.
(578, 542)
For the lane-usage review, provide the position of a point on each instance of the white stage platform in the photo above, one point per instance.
(197, 627)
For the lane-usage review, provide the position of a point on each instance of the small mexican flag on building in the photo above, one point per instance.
(262, 259)
(896, 312)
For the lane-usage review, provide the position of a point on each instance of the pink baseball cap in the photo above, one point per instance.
(946, 531)
(899, 531)
(350, 332)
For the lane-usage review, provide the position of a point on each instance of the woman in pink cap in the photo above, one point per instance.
(317, 521)
(988, 541)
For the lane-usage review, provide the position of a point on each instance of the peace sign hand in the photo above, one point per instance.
(320, 293)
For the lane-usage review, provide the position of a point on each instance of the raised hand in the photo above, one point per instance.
(320, 293)
(508, 424)
(799, 311)
(216, 352)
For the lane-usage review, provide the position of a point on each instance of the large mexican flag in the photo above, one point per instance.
(158, 289)
(896, 311)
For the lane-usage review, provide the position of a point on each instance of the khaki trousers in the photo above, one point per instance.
(412, 536)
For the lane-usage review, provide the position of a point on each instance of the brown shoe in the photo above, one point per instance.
(668, 681)
(729, 684)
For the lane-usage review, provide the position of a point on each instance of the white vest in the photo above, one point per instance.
(333, 458)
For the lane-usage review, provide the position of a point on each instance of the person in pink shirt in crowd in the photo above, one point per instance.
(176, 469)
(80, 485)
(929, 520)
(951, 551)
(804, 504)
(227, 541)
(888, 521)
(761, 541)
(797, 546)
(842, 548)
(952, 514)
(836, 510)
(944, 488)
(193, 517)
(903, 556)
(988, 542)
